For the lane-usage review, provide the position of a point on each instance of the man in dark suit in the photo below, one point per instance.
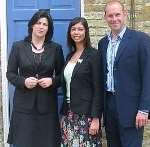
(126, 69)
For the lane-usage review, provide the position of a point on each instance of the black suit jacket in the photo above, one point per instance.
(21, 65)
(85, 86)
(131, 75)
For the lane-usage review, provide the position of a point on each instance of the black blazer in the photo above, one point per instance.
(21, 65)
(85, 86)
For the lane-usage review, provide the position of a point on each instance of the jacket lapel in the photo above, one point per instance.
(79, 62)
(28, 52)
(104, 52)
(124, 42)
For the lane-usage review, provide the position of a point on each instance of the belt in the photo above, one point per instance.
(110, 93)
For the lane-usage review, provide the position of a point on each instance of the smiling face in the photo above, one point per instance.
(40, 28)
(78, 33)
(115, 16)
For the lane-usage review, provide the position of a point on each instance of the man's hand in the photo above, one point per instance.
(141, 119)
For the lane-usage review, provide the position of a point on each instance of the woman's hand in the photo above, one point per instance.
(94, 127)
(45, 82)
(31, 82)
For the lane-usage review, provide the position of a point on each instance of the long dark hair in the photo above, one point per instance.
(70, 42)
(40, 14)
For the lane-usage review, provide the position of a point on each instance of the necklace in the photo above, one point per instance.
(38, 49)
(76, 56)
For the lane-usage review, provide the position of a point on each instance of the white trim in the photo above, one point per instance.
(82, 8)
(5, 99)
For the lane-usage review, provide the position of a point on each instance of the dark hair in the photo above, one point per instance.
(70, 42)
(41, 14)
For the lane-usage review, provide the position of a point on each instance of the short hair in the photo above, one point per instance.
(70, 42)
(114, 2)
(36, 16)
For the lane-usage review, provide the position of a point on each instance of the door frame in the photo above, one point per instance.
(5, 99)
(4, 45)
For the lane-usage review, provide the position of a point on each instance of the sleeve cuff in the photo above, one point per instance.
(143, 112)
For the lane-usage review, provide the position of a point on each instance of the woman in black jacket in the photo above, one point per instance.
(34, 68)
(82, 106)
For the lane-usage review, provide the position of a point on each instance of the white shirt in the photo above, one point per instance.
(68, 74)
(111, 55)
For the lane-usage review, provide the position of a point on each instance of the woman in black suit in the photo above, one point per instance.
(82, 106)
(34, 68)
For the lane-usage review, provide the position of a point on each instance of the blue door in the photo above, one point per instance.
(20, 11)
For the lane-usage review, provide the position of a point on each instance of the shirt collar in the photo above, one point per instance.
(120, 35)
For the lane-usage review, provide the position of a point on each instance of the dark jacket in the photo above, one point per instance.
(21, 65)
(131, 75)
(85, 87)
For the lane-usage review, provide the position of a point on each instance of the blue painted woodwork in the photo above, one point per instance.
(20, 11)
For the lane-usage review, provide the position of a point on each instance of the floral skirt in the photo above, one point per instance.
(75, 132)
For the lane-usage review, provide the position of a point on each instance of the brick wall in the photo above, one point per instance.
(98, 28)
